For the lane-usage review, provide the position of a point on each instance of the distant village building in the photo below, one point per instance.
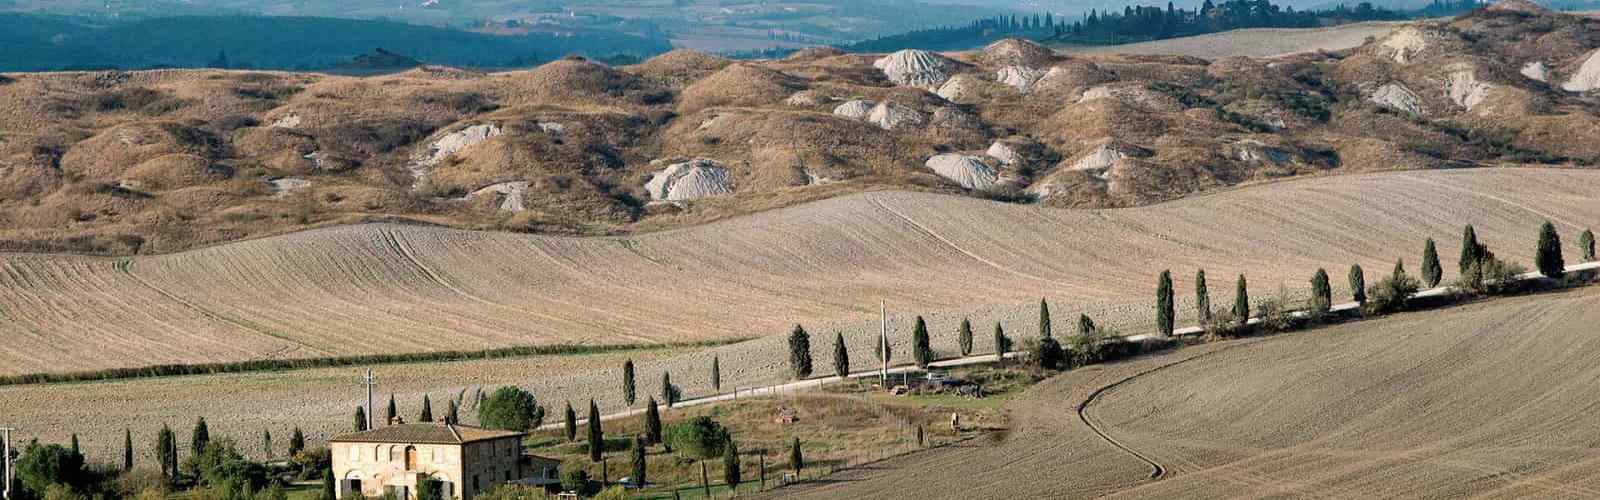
(465, 460)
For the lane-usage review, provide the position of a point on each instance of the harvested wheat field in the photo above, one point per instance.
(1491, 400)
(1256, 42)
(381, 288)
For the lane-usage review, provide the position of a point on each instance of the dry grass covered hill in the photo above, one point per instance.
(384, 288)
(1488, 400)
(161, 161)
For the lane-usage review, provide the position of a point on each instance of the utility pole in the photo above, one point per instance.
(370, 383)
(5, 432)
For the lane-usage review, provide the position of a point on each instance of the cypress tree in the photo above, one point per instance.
(1358, 284)
(1241, 302)
(921, 351)
(127, 450)
(201, 436)
(1431, 272)
(597, 437)
(1470, 249)
(639, 465)
(327, 484)
(452, 415)
(1321, 292)
(361, 419)
(1044, 319)
(297, 442)
(1202, 297)
(669, 394)
(266, 442)
(716, 374)
(570, 423)
(1001, 343)
(1586, 245)
(800, 353)
(965, 337)
(627, 382)
(730, 465)
(1085, 325)
(75, 449)
(1399, 268)
(391, 412)
(652, 422)
(427, 409)
(1549, 260)
(796, 460)
(841, 356)
(1164, 308)
(164, 451)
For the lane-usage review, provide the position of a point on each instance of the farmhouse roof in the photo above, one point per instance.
(424, 434)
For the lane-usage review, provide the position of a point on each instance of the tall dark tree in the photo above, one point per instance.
(800, 353)
(1085, 325)
(1471, 250)
(730, 465)
(266, 442)
(639, 465)
(569, 423)
(628, 393)
(1241, 302)
(1002, 344)
(1321, 292)
(669, 393)
(1358, 284)
(1044, 319)
(1586, 245)
(297, 442)
(964, 337)
(1399, 268)
(1432, 273)
(921, 351)
(74, 447)
(127, 450)
(166, 449)
(452, 414)
(427, 409)
(328, 492)
(652, 422)
(391, 412)
(597, 438)
(1202, 297)
(1164, 306)
(200, 437)
(1548, 259)
(841, 356)
(716, 374)
(361, 419)
(796, 460)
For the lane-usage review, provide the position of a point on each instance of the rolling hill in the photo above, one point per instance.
(384, 288)
(1486, 400)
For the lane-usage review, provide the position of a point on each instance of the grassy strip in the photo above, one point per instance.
(273, 365)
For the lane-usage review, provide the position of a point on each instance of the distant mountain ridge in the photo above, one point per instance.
(33, 42)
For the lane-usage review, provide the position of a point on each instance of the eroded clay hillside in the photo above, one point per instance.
(154, 162)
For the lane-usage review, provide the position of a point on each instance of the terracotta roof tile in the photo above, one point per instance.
(424, 434)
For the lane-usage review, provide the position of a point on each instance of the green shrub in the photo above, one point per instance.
(1390, 294)
(512, 409)
(699, 437)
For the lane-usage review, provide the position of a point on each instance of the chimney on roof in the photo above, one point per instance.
(397, 420)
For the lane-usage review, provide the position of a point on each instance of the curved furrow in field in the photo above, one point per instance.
(390, 288)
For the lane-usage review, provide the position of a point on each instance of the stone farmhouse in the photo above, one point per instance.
(465, 460)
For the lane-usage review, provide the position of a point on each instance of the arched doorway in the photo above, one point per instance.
(350, 486)
(411, 458)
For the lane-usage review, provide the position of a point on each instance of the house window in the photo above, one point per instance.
(476, 486)
(508, 476)
(355, 454)
(438, 455)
